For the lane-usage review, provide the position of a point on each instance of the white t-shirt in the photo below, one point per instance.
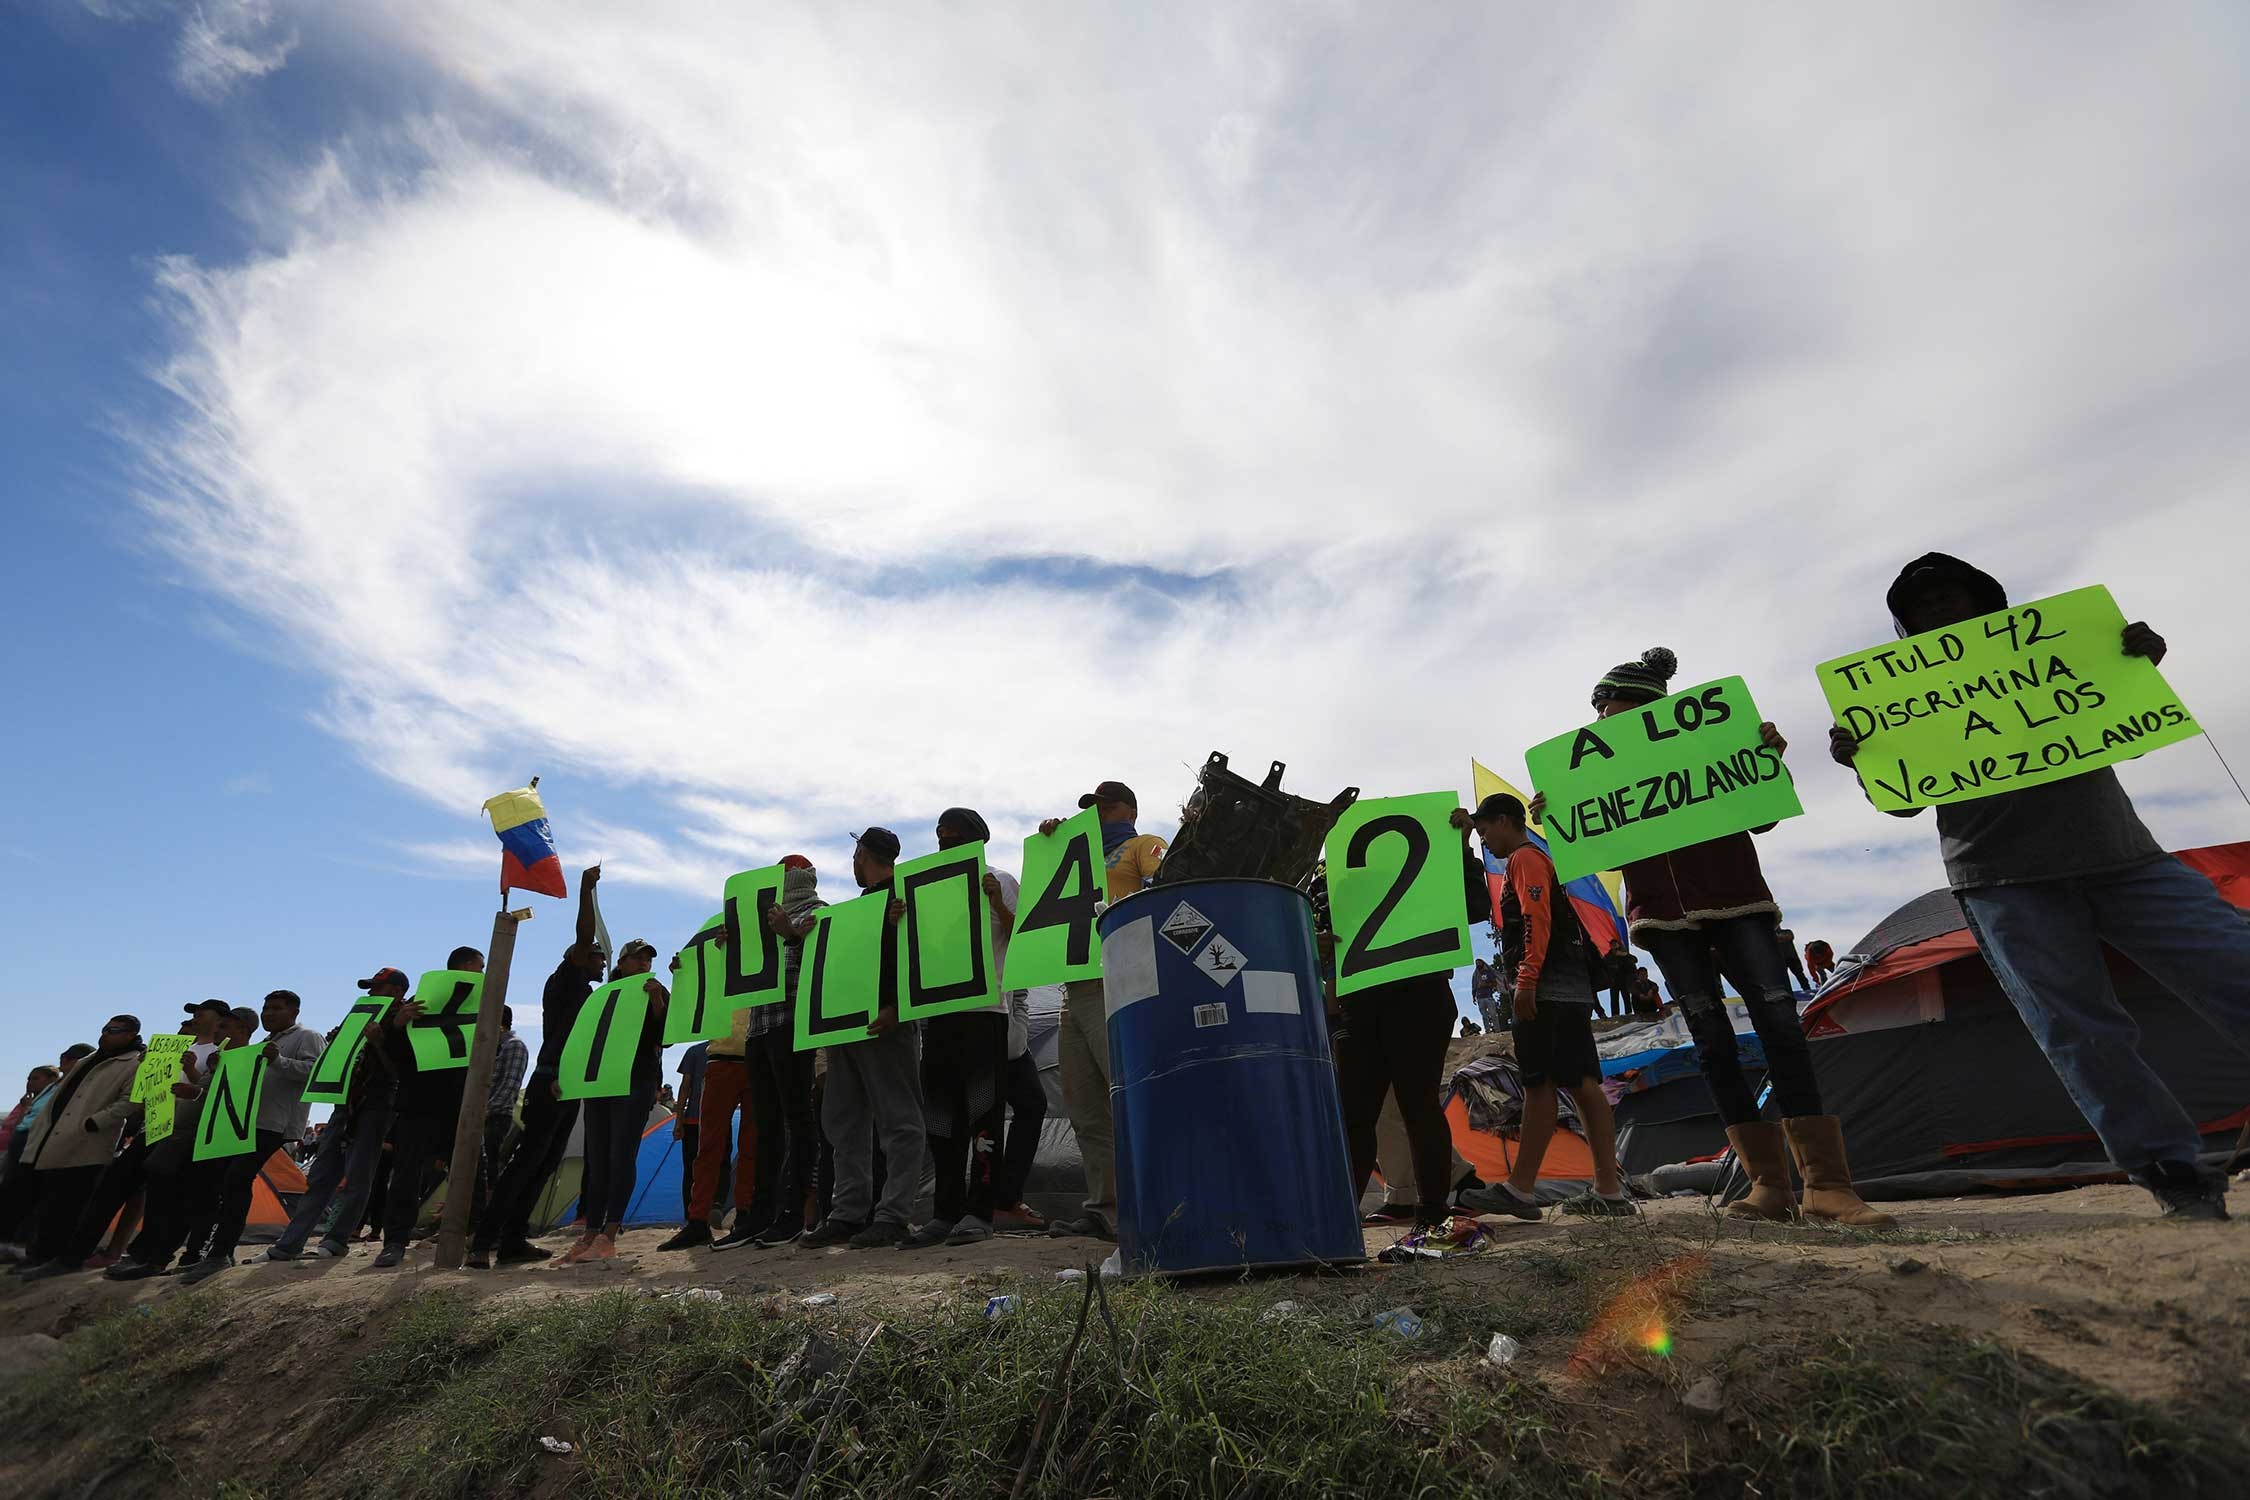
(1000, 928)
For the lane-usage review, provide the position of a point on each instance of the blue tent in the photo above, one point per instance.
(656, 1180)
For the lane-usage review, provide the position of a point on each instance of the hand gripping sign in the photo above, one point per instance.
(1054, 940)
(1659, 777)
(2026, 695)
(1395, 897)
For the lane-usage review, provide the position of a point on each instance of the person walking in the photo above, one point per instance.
(548, 1118)
(349, 1158)
(1707, 907)
(873, 1089)
(2048, 875)
(1550, 970)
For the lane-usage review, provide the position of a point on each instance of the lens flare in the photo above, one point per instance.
(1638, 1320)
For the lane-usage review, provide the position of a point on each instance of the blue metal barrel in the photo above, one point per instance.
(1230, 1135)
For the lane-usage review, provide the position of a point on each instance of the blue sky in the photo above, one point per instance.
(759, 428)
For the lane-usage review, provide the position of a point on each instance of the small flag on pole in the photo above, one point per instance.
(528, 861)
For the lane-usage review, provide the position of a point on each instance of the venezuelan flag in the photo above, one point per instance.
(1596, 898)
(528, 861)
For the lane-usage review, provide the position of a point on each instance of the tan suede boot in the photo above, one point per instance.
(1758, 1146)
(1818, 1141)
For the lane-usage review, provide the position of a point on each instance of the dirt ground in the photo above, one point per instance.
(2088, 1280)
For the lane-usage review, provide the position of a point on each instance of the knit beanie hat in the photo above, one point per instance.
(1640, 681)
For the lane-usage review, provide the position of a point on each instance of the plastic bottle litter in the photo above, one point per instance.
(1280, 1312)
(821, 1299)
(554, 1445)
(703, 1294)
(1114, 1267)
(1402, 1321)
(1502, 1350)
(1071, 1274)
(996, 1308)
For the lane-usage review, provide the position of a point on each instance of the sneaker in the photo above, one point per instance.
(1019, 1220)
(1500, 1198)
(691, 1234)
(880, 1236)
(521, 1253)
(276, 1252)
(13, 1254)
(205, 1269)
(477, 1260)
(1090, 1227)
(781, 1232)
(1392, 1213)
(830, 1231)
(101, 1262)
(133, 1270)
(969, 1231)
(46, 1269)
(1596, 1206)
(932, 1233)
(391, 1256)
(328, 1250)
(2185, 1192)
(740, 1235)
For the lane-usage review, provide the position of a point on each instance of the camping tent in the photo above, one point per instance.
(1941, 1088)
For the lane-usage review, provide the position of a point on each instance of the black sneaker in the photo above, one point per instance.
(743, 1233)
(134, 1270)
(932, 1234)
(521, 1253)
(2185, 1192)
(831, 1231)
(781, 1233)
(1088, 1228)
(205, 1269)
(691, 1234)
(478, 1259)
(1501, 1199)
(879, 1236)
(391, 1256)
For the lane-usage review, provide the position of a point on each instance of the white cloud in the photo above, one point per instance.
(224, 43)
(640, 404)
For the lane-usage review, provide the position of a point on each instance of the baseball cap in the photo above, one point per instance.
(201, 1006)
(1499, 805)
(1109, 791)
(244, 1016)
(635, 947)
(385, 975)
(880, 842)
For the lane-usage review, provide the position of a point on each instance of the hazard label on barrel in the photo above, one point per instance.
(1221, 960)
(1185, 927)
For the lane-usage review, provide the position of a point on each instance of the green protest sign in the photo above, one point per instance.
(945, 939)
(1054, 940)
(331, 1078)
(2009, 700)
(1659, 777)
(229, 1126)
(842, 978)
(1395, 896)
(696, 1013)
(597, 1056)
(441, 1035)
(152, 1085)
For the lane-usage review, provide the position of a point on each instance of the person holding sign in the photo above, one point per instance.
(504, 1231)
(429, 1099)
(1704, 909)
(614, 1122)
(781, 1079)
(964, 1063)
(1082, 1045)
(874, 1088)
(1552, 974)
(2048, 874)
(291, 1050)
(350, 1157)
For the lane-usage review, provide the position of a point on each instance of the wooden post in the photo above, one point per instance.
(468, 1131)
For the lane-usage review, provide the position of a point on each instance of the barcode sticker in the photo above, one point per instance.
(1210, 1015)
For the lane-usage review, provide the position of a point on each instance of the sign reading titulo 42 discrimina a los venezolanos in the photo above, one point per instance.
(2005, 701)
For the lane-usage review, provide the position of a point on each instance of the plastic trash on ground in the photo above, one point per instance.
(1403, 1321)
(1071, 1273)
(1502, 1350)
(996, 1308)
(1280, 1312)
(554, 1445)
(821, 1299)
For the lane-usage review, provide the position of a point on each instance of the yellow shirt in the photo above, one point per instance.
(1132, 863)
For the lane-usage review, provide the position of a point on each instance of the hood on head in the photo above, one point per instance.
(1990, 595)
(799, 885)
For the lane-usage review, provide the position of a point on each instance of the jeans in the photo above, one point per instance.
(2044, 943)
(1746, 949)
(1394, 1038)
(350, 1156)
(875, 1087)
(1027, 1111)
(538, 1152)
(963, 1060)
(613, 1155)
(235, 1189)
(781, 1099)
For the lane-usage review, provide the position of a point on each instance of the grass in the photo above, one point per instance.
(1153, 1390)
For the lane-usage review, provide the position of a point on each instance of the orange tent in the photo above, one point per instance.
(1568, 1157)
